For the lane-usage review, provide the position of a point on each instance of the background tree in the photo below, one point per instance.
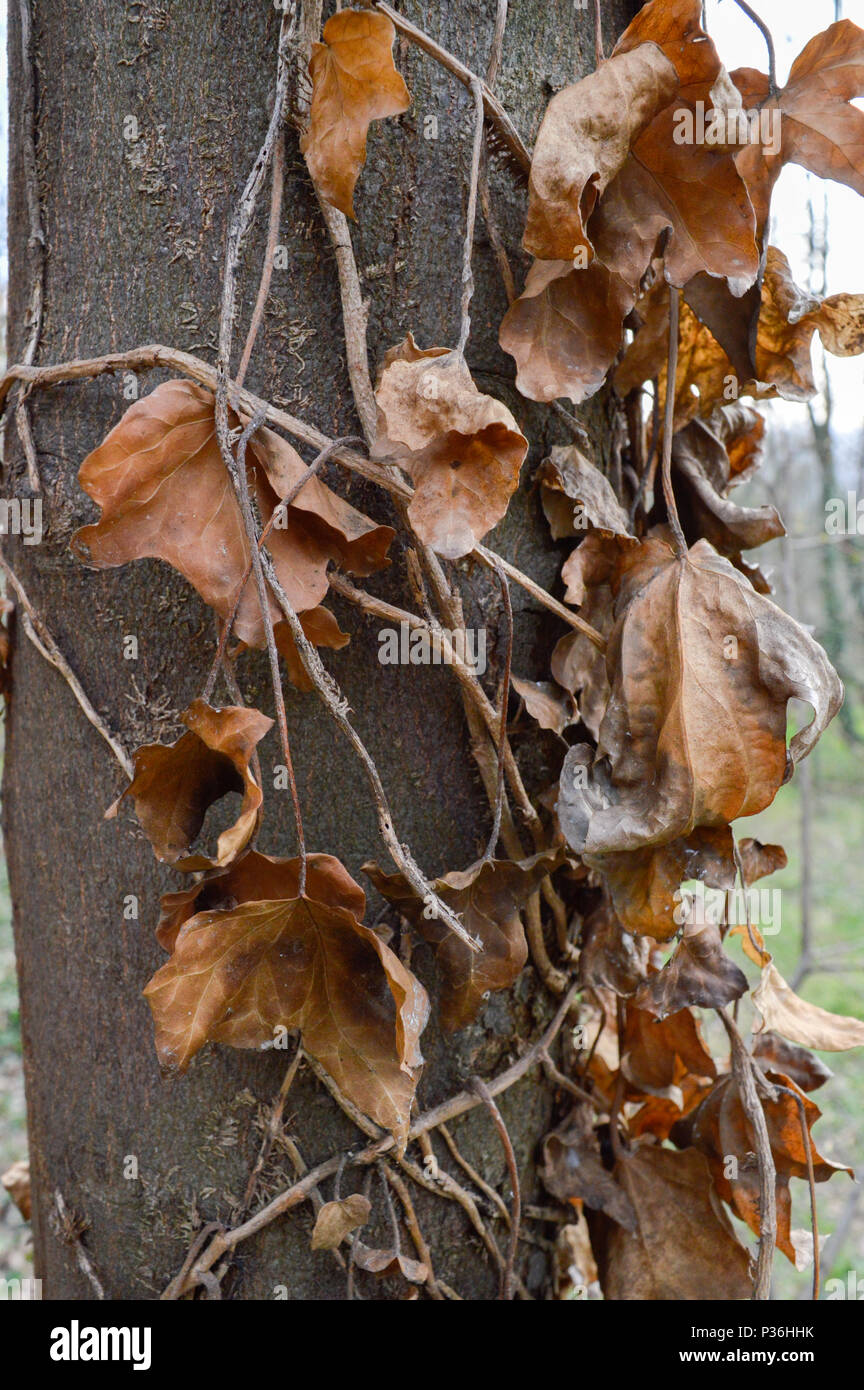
(145, 121)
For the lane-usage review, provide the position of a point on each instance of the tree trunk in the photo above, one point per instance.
(135, 225)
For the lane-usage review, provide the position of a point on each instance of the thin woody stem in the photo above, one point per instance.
(277, 186)
(236, 467)
(45, 644)
(459, 1104)
(742, 1070)
(155, 355)
(279, 511)
(494, 111)
(769, 42)
(669, 426)
(471, 217)
(502, 729)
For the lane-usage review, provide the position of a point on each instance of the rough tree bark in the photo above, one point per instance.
(135, 229)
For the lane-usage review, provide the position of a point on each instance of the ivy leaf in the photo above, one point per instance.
(175, 784)
(683, 1246)
(573, 1169)
(701, 671)
(760, 860)
(257, 876)
(487, 897)
(783, 1011)
(820, 128)
(241, 973)
(703, 479)
(644, 883)
(694, 190)
(165, 492)
(720, 1130)
(788, 319)
(577, 497)
(462, 449)
(354, 82)
(699, 974)
(387, 1264)
(565, 329)
(584, 138)
(610, 957)
(777, 1055)
(657, 1054)
(336, 1220)
(553, 708)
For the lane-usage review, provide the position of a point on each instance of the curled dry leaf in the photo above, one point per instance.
(565, 329)
(694, 734)
(577, 497)
(175, 784)
(164, 491)
(783, 1011)
(584, 139)
(462, 449)
(658, 1115)
(658, 1054)
(16, 1181)
(820, 129)
(387, 1264)
(240, 974)
(705, 376)
(789, 317)
(487, 897)
(322, 630)
(573, 1170)
(699, 974)
(683, 1247)
(776, 1055)
(255, 876)
(354, 82)
(720, 1130)
(702, 478)
(576, 663)
(611, 957)
(336, 1220)
(760, 860)
(693, 189)
(552, 707)
(645, 884)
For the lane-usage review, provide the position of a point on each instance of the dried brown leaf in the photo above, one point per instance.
(565, 329)
(240, 974)
(783, 1011)
(720, 1129)
(577, 498)
(699, 974)
(175, 784)
(336, 1220)
(462, 449)
(552, 707)
(487, 897)
(694, 734)
(684, 1247)
(584, 139)
(165, 492)
(354, 82)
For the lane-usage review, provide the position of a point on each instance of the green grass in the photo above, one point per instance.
(837, 870)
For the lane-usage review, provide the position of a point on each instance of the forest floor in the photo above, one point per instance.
(837, 869)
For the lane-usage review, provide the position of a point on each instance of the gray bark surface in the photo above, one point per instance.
(135, 233)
